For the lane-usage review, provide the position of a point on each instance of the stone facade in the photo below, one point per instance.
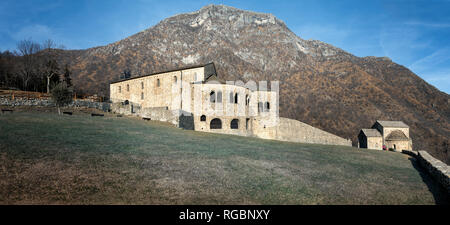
(195, 98)
(394, 135)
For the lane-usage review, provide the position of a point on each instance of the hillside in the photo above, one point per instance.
(79, 159)
(321, 85)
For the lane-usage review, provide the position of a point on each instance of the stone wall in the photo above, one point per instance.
(154, 113)
(437, 169)
(375, 143)
(296, 131)
(18, 101)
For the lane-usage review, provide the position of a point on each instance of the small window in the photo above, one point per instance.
(203, 118)
(236, 98)
(267, 106)
(128, 87)
(247, 100)
(158, 83)
(212, 96)
(120, 89)
(142, 95)
(246, 123)
(219, 96)
(175, 79)
(142, 85)
(234, 124)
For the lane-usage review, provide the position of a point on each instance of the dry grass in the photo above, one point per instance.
(50, 159)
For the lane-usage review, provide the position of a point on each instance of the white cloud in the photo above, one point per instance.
(439, 79)
(427, 24)
(431, 61)
(37, 32)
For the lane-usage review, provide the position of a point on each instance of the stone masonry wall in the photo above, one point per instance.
(296, 131)
(154, 113)
(6, 101)
(437, 169)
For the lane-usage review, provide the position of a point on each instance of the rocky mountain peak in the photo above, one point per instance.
(235, 15)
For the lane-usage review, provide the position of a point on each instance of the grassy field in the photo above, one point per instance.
(50, 159)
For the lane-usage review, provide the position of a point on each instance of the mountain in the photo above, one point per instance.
(320, 84)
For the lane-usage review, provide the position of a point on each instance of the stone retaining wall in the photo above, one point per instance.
(296, 131)
(437, 169)
(19, 101)
(153, 113)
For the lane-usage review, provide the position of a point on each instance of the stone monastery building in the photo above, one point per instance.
(195, 98)
(392, 134)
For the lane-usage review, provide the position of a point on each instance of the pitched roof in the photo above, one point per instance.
(371, 132)
(397, 135)
(210, 70)
(399, 124)
(214, 79)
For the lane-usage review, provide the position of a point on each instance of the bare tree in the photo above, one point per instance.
(51, 67)
(8, 68)
(48, 44)
(29, 61)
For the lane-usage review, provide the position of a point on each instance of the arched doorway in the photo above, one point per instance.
(215, 124)
(234, 124)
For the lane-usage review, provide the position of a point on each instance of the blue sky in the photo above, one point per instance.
(413, 33)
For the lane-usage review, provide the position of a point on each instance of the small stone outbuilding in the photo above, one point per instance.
(393, 135)
(371, 139)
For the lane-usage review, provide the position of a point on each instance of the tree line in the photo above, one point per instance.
(33, 66)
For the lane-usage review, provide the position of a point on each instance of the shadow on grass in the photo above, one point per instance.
(439, 193)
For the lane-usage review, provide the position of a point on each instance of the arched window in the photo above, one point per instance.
(142, 85)
(247, 100)
(142, 95)
(236, 98)
(175, 79)
(128, 87)
(212, 96)
(267, 106)
(234, 124)
(215, 124)
(158, 83)
(203, 118)
(219, 96)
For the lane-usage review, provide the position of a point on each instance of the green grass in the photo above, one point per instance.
(50, 159)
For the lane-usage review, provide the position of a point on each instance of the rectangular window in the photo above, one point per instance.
(142, 95)
(120, 89)
(219, 96)
(142, 85)
(128, 87)
(260, 107)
